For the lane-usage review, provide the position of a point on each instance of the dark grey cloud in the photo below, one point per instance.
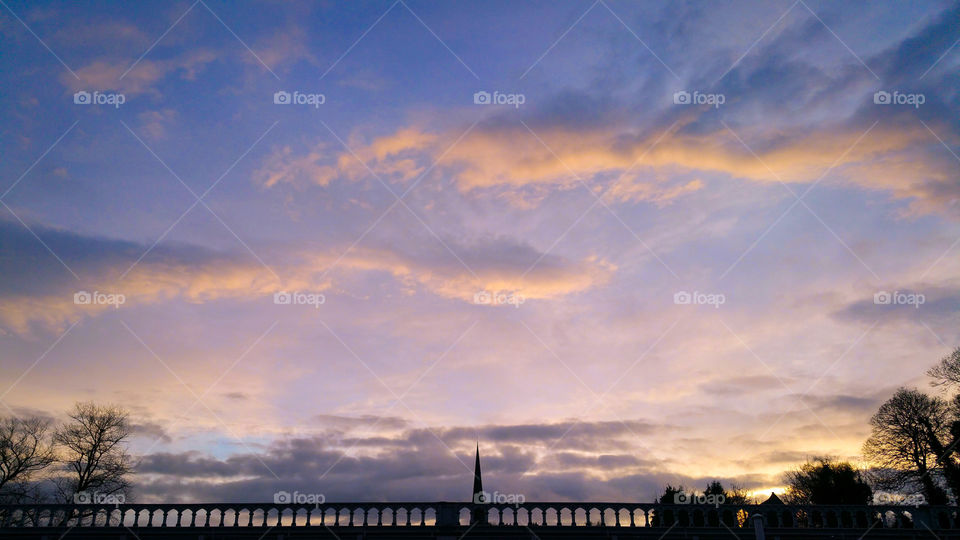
(941, 305)
(421, 465)
(151, 430)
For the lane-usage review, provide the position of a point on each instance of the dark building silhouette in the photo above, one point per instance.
(478, 495)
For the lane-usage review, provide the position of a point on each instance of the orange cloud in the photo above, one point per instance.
(492, 266)
(512, 160)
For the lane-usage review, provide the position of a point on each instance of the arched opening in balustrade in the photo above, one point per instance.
(551, 517)
(430, 516)
(594, 516)
(258, 517)
(387, 516)
(536, 516)
(58, 517)
(228, 518)
(641, 518)
(142, 518)
(299, 516)
(244, 516)
(581, 516)
(65, 517)
(403, 516)
(271, 517)
(463, 516)
(183, 519)
(42, 517)
(565, 517)
(507, 516)
(623, 517)
(609, 517)
(729, 517)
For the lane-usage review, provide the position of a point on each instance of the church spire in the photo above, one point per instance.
(478, 495)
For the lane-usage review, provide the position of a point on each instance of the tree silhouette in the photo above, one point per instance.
(24, 451)
(905, 440)
(92, 448)
(821, 480)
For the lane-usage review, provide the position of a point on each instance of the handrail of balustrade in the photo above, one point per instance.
(608, 514)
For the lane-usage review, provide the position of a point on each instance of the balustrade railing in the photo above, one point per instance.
(529, 514)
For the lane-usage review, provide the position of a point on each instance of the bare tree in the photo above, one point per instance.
(92, 448)
(947, 372)
(24, 452)
(900, 442)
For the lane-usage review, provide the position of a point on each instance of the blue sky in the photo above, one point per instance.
(789, 197)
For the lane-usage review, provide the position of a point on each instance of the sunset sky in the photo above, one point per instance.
(783, 163)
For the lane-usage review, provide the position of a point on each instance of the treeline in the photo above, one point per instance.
(84, 459)
(913, 455)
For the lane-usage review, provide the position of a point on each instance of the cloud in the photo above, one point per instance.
(939, 305)
(43, 294)
(817, 122)
(105, 74)
(536, 460)
(904, 159)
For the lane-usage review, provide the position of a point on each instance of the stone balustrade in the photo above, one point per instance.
(529, 514)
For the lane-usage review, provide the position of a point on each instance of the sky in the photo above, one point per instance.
(328, 247)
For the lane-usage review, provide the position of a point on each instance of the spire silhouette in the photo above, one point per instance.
(478, 495)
